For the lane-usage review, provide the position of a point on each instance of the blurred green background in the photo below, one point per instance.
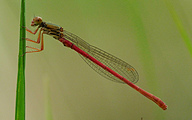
(153, 36)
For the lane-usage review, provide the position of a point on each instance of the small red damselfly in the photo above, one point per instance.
(102, 62)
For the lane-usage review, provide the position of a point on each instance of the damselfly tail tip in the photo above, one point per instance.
(165, 107)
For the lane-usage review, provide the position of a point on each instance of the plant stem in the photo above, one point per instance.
(20, 93)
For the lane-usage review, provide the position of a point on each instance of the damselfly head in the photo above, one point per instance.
(36, 21)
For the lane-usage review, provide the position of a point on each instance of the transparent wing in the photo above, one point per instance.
(114, 63)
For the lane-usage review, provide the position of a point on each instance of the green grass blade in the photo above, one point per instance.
(47, 98)
(20, 93)
(180, 26)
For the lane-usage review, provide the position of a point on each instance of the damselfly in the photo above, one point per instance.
(102, 62)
